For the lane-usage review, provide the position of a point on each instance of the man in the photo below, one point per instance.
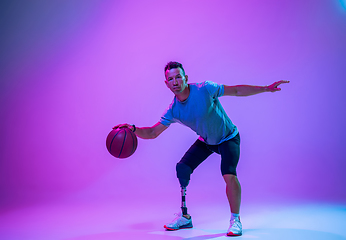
(197, 106)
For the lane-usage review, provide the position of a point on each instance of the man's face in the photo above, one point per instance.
(176, 81)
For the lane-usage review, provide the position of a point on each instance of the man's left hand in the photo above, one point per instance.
(274, 87)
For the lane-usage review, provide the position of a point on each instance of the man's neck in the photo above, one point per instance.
(184, 94)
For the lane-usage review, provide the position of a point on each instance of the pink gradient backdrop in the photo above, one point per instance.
(71, 70)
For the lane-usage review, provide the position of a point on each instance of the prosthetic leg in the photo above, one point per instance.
(183, 174)
(183, 201)
(182, 221)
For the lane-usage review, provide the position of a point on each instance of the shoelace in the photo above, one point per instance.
(235, 224)
(177, 218)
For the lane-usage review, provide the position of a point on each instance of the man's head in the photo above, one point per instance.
(172, 65)
(176, 80)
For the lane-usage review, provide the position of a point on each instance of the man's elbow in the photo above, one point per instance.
(153, 134)
(231, 91)
(235, 91)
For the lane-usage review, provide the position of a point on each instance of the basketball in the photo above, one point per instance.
(121, 142)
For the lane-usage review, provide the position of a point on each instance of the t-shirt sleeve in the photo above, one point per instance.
(214, 89)
(167, 117)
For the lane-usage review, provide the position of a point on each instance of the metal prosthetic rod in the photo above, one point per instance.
(183, 174)
(183, 201)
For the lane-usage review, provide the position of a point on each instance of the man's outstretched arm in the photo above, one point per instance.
(145, 132)
(248, 90)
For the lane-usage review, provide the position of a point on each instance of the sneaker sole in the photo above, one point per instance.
(230, 234)
(175, 229)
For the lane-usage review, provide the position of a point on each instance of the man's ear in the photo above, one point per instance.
(186, 78)
(166, 82)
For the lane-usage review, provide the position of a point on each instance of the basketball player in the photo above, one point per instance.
(196, 105)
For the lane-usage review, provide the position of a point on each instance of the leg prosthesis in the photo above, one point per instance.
(183, 174)
(183, 202)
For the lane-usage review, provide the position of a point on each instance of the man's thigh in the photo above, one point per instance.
(196, 154)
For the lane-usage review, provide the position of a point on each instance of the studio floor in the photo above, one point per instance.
(106, 220)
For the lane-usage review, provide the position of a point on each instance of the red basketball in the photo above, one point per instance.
(121, 142)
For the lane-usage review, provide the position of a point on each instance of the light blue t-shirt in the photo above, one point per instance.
(203, 113)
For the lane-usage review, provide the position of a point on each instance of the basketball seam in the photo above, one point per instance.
(110, 146)
(133, 144)
(123, 144)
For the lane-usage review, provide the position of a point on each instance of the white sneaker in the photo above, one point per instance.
(235, 228)
(179, 222)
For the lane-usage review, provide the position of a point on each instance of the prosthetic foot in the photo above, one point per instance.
(181, 222)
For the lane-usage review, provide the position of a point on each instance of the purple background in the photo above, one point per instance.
(71, 70)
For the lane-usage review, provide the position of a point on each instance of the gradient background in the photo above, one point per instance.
(71, 70)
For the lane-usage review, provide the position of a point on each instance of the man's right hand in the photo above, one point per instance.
(145, 132)
(123, 125)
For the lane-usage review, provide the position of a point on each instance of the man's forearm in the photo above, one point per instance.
(145, 133)
(248, 90)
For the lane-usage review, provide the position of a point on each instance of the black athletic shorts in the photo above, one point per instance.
(229, 151)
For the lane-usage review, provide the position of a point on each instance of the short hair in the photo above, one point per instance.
(172, 65)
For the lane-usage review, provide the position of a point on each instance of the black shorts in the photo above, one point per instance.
(229, 151)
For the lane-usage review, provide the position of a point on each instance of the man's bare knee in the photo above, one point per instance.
(230, 178)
